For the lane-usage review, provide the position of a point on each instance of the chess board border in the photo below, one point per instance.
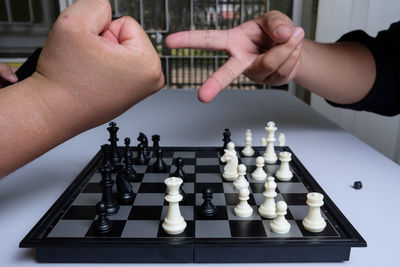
(189, 250)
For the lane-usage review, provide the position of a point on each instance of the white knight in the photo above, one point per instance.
(231, 168)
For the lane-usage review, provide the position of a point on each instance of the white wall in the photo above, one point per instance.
(336, 17)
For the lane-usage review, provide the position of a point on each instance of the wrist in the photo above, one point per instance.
(52, 106)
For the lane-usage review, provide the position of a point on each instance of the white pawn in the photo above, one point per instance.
(281, 139)
(243, 209)
(283, 173)
(280, 225)
(259, 173)
(248, 151)
(174, 223)
(231, 159)
(241, 181)
(314, 222)
(263, 141)
(270, 155)
(267, 208)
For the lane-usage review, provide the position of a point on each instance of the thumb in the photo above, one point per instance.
(277, 26)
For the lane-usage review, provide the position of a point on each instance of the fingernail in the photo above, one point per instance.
(281, 30)
(298, 32)
(13, 77)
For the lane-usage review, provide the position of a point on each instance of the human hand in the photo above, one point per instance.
(7, 74)
(267, 50)
(93, 69)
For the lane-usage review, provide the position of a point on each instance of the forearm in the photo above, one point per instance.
(29, 124)
(341, 72)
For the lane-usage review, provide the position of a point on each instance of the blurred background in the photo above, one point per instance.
(24, 25)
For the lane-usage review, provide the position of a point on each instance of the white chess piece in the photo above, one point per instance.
(248, 151)
(259, 173)
(230, 169)
(248, 133)
(281, 139)
(267, 208)
(314, 222)
(263, 141)
(280, 225)
(283, 173)
(241, 181)
(270, 155)
(174, 223)
(243, 209)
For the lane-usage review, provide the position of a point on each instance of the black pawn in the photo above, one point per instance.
(226, 139)
(102, 225)
(128, 171)
(357, 185)
(141, 158)
(179, 169)
(159, 165)
(107, 197)
(207, 208)
(181, 174)
(105, 149)
(156, 140)
(113, 129)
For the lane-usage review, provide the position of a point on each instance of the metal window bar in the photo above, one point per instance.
(11, 20)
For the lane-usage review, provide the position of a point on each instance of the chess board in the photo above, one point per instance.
(66, 232)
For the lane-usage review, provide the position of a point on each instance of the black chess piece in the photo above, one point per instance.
(179, 169)
(125, 193)
(141, 158)
(181, 174)
(102, 225)
(107, 183)
(207, 208)
(128, 170)
(105, 149)
(144, 141)
(113, 129)
(159, 165)
(357, 185)
(156, 140)
(226, 139)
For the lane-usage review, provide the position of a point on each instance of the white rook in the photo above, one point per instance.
(314, 222)
(284, 174)
(269, 155)
(174, 223)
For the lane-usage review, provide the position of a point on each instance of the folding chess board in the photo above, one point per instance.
(66, 232)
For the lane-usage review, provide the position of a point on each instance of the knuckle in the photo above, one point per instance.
(292, 43)
(296, 54)
(268, 65)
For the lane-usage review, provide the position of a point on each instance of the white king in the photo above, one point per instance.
(269, 155)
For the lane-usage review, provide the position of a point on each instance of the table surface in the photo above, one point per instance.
(334, 157)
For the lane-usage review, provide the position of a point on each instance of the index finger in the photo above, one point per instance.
(200, 39)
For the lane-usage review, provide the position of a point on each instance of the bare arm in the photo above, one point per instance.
(90, 71)
(342, 72)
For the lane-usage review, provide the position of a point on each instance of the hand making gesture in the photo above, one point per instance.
(267, 50)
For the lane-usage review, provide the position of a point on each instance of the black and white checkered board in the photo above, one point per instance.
(66, 232)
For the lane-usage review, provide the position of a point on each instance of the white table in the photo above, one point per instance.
(334, 157)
